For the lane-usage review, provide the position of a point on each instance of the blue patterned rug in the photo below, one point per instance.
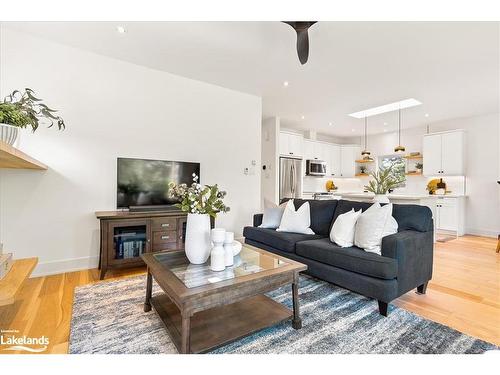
(108, 317)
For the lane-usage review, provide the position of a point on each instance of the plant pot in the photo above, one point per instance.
(381, 198)
(8, 133)
(198, 244)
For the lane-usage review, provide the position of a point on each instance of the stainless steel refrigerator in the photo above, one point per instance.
(290, 178)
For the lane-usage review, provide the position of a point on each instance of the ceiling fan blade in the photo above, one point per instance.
(303, 46)
(301, 28)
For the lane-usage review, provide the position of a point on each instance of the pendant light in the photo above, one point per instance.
(365, 153)
(399, 149)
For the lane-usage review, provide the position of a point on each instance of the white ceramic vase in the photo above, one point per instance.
(381, 198)
(217, 255)
(197, 245)
(8, 133)
(228, 249)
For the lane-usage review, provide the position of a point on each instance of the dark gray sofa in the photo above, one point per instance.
(405, 262)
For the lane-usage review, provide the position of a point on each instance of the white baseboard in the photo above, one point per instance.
(65, 265)
(482, 232)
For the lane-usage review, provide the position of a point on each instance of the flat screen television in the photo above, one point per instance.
(143, 184)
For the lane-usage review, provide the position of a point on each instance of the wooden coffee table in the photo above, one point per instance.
(203, 310)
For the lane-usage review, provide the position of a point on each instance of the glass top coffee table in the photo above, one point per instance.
(203, 309)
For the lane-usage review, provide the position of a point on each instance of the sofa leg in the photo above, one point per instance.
(421, 289)
(383, 307)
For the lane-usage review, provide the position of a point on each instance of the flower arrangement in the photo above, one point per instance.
(198, 199)
(383, 181)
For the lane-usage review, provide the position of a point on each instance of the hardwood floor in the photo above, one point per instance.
(464, 294)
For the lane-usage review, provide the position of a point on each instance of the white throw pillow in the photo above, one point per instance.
(370, 227)
(296, 221)
(272, 215)
(342, 232)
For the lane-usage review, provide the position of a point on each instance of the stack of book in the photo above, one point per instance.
(130, 247)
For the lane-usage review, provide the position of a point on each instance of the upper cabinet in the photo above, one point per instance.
(444, 154)
(314, 150)
(291, 144)
(348, 155)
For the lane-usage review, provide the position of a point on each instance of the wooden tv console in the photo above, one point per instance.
(125, 235)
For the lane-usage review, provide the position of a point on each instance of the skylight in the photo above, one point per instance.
(407, 103)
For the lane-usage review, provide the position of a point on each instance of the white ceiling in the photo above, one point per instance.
(451, 67)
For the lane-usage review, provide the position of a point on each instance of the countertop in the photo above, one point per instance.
(363, 195)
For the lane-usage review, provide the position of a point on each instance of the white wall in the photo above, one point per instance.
(113, 109)
(270, 152)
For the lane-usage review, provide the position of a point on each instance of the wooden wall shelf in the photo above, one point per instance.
(413, 173)
(362, 175)
(11, 157)
(364, 161)
(414, 157)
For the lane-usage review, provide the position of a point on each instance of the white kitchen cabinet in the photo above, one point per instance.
(315, 150)
(444, 154)
(348, 156)
(291, 144)
(450, 214)
(333, 161)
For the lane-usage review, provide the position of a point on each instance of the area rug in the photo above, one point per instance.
(108, 317)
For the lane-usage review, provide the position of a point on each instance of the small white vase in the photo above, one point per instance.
(8, 133)
(228, 249)
(197, 245)
(381, 198)
(217, 255)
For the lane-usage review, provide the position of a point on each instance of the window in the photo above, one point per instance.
(398, 164)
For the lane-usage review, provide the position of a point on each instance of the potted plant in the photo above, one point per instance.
(362, 169)
(201, 203)
(22, 110)
(419, 167)
(383, 180)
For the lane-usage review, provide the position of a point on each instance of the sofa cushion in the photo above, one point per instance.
(321, 214)
(280, 240)
(349, 258)
(408, 216)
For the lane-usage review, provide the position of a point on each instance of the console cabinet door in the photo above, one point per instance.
(127, 240)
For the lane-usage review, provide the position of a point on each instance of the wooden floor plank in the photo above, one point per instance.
(464, 294)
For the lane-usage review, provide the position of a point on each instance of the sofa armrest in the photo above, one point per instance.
(257, 219)
(413, 252)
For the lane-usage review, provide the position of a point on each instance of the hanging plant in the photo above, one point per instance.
(24, 109)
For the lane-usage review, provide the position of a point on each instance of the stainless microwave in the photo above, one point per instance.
(315, 168)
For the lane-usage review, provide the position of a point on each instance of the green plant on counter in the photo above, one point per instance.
(383, 180)
(419, 166)
(198, 199)
(26, 110)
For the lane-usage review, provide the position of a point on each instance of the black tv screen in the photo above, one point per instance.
(145, 182)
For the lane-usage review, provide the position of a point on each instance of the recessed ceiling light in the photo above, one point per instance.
(285, 83)
(302, 117)
(120, 29)
(385, 130)
(426, 115)
(385, 123)
(330, 123)
(407, 103)
(353, 130)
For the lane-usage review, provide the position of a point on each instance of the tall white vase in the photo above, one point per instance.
(198, 244)
(381, 198)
